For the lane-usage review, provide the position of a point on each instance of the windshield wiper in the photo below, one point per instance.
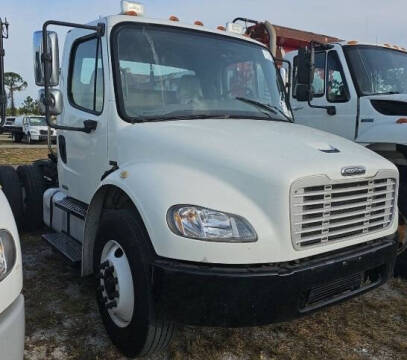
(386, 93)
(267, 107)
(169, 117)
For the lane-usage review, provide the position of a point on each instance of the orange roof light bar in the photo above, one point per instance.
(132, 8)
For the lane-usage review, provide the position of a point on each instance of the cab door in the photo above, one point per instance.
(330, 88)
(83, 156)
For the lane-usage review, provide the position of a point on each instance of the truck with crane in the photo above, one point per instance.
(187, 191)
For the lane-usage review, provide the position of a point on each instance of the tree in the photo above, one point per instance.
(29, 106)
(14, 83)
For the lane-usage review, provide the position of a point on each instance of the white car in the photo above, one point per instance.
(12, 318)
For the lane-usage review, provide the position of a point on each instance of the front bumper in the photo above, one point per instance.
(234, 296)
(12, 328)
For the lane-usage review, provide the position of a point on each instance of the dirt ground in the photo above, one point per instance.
(63, 323)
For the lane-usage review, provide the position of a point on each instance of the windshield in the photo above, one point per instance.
(165, 73)
(378, 70)
(37, 121)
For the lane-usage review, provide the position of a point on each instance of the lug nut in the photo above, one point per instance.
(111, 305)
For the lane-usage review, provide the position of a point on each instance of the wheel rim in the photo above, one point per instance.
(116, 284)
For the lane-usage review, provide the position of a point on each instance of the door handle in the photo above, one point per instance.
(90, 125)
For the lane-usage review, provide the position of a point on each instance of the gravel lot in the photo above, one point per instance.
(63, 322)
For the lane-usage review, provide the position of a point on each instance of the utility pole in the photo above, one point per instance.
(3, 96)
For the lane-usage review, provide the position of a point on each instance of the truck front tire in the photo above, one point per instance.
(33, 184)
(121, 266)
(11, 186)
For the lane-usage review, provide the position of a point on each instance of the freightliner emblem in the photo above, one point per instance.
(353, 170)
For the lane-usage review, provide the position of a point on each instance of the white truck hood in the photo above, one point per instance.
(375, 127)
(261, 148)
(244, 167)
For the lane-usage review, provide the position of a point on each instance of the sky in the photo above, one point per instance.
(364, 20)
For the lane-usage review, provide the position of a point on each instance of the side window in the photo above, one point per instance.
(318, 84)
(86, 86)
(337, 90)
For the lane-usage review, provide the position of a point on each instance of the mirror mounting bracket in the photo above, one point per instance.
(46, 56)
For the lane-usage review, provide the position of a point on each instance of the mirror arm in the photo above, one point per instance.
(46, 57)
(289, 71)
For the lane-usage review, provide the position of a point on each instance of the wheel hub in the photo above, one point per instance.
(116, 284)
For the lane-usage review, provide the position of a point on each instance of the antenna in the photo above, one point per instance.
(3, 97)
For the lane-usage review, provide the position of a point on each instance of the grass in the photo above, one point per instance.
(10, 156)
(62, 321)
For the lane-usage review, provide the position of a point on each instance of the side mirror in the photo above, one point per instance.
(54, 100)
(52, 52)
(302, 92)
(304, 65)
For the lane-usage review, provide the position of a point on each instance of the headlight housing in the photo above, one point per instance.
(200, 223)
(7, 253)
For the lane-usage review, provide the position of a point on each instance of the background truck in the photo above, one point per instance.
(358, 90)
(30, 128)
(186, 189)
(11, 273)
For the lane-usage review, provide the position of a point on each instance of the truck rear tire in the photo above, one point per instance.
(121, 256)
(17, 138)
(33, 185)
(11, 186)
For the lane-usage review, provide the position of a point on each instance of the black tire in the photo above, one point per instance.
(146, 333)
(12, 189)
(17, 138)
(403, 198)
(29, 140)
(33, 184)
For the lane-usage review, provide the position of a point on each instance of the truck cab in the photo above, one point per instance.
(182, 184)
(31, 128)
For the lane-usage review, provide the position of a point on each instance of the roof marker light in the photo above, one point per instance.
(353, 42)
(132, 8)
(396, 47)
(221, 28)
(173, 18)
(401, 121)
(235, 28)
(387, 45)
(198, 23)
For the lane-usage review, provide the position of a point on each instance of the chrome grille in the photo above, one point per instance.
(324, 211)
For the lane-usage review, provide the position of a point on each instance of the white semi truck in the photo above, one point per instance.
(12, 322)
(186, 189)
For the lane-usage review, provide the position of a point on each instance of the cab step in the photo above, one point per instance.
(65, 244)
(73, 207)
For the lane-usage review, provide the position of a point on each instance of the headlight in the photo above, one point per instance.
(7, 253)
(205, 224)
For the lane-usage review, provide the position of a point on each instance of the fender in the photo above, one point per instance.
(154, 187)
